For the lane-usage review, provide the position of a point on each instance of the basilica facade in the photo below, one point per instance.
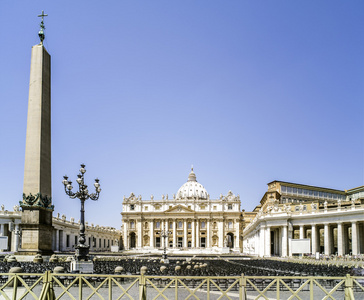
(296, 219)
(189, 220)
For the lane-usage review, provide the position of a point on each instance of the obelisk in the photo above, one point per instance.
(37, 229)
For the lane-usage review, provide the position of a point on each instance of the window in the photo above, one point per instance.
(146, 208)
(283, 189)
(179, 224)
(170, 225)
(158, 225)
(99, 243)
(67, 240)
(189, 225)
(230, 206)
(297, 208)
(230, 225)
(203, 225)
(132, 225)
(305, 207)
(215, 207)
(132, 206)
(75, 239)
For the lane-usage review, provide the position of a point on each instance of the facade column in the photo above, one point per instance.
(193, 228)
(126, 237)
(174, 231)
(151, 238)
(340, 244)
(237, 235)
(327, 250)
(267, 242)
(140, 233)
(197, 234)
(208, 244)
(313, 239)
(284, 241)
(354, 238)
(221, 233)
(185, 233)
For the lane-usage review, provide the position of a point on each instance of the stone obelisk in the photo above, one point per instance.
(37, 205)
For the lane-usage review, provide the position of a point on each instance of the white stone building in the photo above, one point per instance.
(194, 221)
(327, 221)
(65, 233)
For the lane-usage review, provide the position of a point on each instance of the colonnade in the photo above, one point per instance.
(339, 238)
(182, 233)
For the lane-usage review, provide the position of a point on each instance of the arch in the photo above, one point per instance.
(230, 240)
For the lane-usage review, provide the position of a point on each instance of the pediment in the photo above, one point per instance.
(179, 209)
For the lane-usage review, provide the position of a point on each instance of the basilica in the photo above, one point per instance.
(190, 220)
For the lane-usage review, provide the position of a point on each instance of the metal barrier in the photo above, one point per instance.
(65, 286)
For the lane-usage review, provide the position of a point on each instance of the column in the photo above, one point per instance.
(185, 233)
(267, 242)
(327, 239)
(193, 234)
(16, 237)
(220, 225)
(2, 231)
(345, 239)
(151, 234)
(208, 244)
(197, 234)
(354, 238)
(126, 238)
(140, 234)
(313, 239)
(290, 236)
(57, 239)
(174, 233)
(237, 234)
(262, 241)
(302, 232)
(340, 244)
(284, 241)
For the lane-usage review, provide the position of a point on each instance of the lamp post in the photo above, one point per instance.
(164, 234)
(82, 249)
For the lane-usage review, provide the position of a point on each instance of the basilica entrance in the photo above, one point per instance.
(132, 240)
(230, 240)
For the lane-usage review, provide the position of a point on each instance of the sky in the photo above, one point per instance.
(245, 91)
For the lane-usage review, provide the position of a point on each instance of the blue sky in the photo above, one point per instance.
(246, 91)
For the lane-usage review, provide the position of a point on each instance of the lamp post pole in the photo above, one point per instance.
(164, 234)
(82, 249)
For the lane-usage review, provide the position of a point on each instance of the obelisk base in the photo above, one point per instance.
(37, 231)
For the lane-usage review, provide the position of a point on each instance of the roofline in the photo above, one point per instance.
(308, 186)
(354, 189)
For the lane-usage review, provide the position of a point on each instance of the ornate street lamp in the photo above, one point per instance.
(164, 234)
(82, 249)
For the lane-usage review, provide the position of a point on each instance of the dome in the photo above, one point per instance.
(192, 189)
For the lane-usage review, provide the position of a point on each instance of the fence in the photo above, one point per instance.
(50, 286)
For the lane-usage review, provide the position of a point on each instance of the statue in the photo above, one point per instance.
(151, 197)
(2, 207)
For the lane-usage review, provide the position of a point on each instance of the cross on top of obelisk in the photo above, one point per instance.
(42, 27)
